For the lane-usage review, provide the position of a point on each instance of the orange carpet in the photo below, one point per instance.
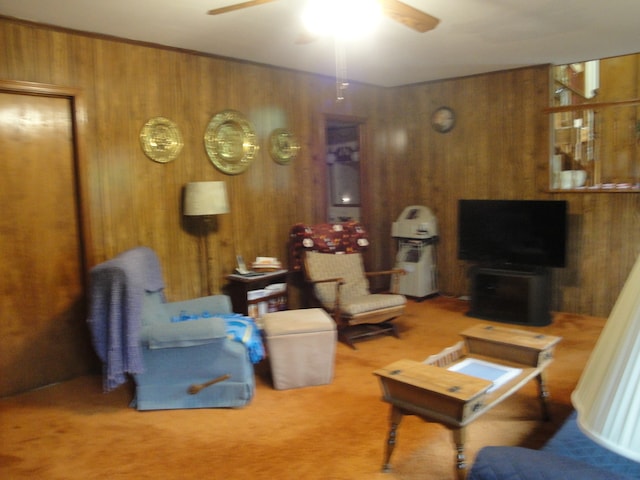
(338, 431)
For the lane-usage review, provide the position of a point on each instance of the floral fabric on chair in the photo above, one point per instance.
(347, 237)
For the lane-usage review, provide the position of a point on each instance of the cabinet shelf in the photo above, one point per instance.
(519, 296)
(594, 120)
(591, 106)
(595, 147)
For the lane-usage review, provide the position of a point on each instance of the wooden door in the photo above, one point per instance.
(43, 337)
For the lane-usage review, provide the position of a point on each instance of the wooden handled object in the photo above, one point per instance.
(193, 389)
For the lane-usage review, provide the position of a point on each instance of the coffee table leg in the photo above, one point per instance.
(544, 395)
(459, 438)
(396, 418)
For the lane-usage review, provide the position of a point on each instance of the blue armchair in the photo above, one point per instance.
(181, 354)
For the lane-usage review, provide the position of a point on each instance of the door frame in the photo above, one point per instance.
(78, 114)
(361, 123)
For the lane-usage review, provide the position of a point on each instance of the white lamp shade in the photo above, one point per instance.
(205, 198)
(607, 397)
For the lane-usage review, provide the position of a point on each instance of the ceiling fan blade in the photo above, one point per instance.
(238, 6)
(408, 16)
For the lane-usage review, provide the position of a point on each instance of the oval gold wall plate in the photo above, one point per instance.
(230, 141)
(161, 140)
(283, 146)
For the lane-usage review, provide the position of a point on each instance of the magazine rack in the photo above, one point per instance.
(434, 391)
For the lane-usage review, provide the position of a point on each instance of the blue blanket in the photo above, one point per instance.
(243, 329)
(116, 292)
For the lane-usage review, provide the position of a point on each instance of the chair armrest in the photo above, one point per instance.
(338, 280)
(395, 273)
(185, 334)
(212, 304)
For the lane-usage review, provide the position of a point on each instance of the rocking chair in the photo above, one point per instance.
(342, 287)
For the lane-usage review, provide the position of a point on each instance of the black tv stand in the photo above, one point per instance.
(511, 294)
(512, 267)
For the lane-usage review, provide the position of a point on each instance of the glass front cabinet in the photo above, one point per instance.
(595, 125)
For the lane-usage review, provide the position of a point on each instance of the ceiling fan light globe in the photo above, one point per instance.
(341, 18)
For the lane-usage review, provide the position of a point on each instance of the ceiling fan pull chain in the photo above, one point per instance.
(341, 68)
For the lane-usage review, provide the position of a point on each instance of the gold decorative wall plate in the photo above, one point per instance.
(161, 140)
(230, 141)
(283, 146)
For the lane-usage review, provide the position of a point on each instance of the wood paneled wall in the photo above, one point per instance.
(499, 149)
(134, 200)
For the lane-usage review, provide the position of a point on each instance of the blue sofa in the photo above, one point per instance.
(568, 455)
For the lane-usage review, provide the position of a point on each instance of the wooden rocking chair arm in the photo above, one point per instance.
(395, 271)
(338, 280)
(395, 277)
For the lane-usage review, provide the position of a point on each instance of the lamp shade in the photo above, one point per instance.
(205, 198)
(607, 397)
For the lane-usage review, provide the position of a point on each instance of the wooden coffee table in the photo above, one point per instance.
(436, 394)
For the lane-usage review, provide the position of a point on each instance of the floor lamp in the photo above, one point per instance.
(204, 200)
(607, 397)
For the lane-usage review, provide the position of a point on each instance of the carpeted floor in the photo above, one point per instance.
(338, 431)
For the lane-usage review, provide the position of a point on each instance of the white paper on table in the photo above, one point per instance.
(494, 372)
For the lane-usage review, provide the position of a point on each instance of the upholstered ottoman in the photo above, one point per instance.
(301, 346)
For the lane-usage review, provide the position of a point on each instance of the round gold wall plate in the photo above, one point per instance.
(230, 141)
(161, 140)
(283, 146)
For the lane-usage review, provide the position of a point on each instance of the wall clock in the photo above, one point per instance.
(443, 120)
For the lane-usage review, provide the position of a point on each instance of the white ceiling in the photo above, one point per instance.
(474, 36)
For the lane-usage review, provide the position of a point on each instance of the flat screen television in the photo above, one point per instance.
(502, 233)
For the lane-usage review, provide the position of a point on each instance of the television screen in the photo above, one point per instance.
(513, 232)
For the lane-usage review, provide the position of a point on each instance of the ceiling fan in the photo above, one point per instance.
(394, 9)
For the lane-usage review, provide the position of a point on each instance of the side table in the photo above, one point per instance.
(240, 285)
(436, 394)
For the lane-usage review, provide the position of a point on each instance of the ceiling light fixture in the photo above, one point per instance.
(342, 20)
(346, 19)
